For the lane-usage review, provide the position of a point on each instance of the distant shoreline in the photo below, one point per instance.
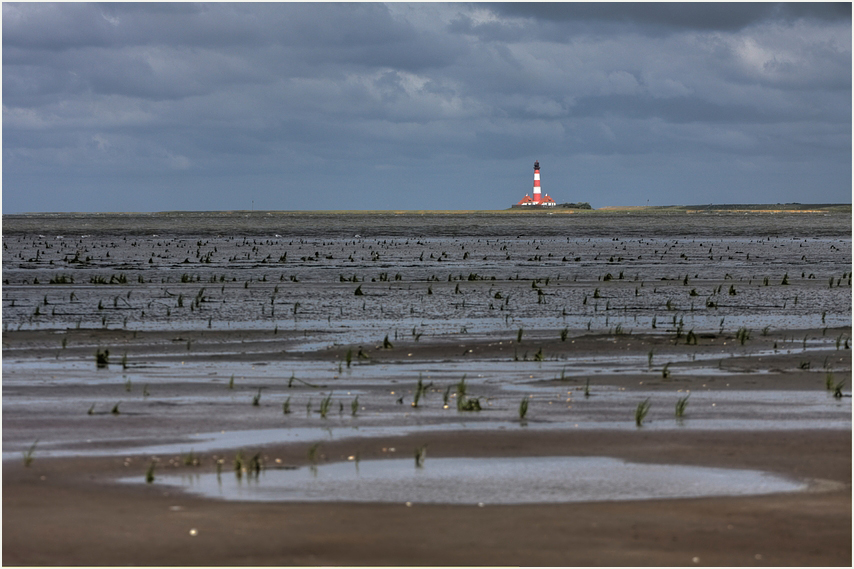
(664, 209)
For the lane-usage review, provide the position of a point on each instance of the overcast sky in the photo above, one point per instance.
(153, 107)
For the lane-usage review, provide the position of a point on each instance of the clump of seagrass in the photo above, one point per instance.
(523, 408)
(837, 389)
(325, 403)
(251, 467)
(641, 411)
(681, 404)
(149, 474)
(102, 359)
(420, 391)
(464, 403)
(28, 454)
(420, 455)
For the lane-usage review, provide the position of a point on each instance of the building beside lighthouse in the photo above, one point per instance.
(538, 200)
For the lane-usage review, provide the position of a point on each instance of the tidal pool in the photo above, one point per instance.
(483, 481)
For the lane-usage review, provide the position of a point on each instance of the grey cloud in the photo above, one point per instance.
(431, 98)
(723, 16)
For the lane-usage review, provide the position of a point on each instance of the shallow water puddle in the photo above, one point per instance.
(484, 481)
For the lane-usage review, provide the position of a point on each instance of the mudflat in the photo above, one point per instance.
(268, 349)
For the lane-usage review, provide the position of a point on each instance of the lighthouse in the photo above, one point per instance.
(538, 200)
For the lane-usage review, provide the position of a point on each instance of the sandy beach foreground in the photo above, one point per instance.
(67, 512)
(70, 511)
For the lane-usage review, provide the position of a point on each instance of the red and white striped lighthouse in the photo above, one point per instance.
(537, 182)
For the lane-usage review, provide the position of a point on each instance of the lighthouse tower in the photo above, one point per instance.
(537, 182)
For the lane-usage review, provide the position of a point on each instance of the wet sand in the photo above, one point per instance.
(217, 324)
(72, 510)
(60, 512)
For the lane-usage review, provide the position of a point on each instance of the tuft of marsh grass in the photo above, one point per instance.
(128, 385)
(325, 403)
(115, 410)
(286, 406)
(837, 389)
(149, 474)
(28, 454)
(461, 387)
(523, 408)
(256, 463)
(564, 334)
(420, 455)
(519, 335)
(239, 464)
(829, 382)
(420, 390)
(641, 411)
(91, 410)
(587, 388)
(464, 404)
(387, 345)
(665, 372)
(312, 453)
(354, 406)
(256, 399)
(742, 335)
(649, 358)
(102, 359)
(231, 382)
(681, 404)
(446, 396)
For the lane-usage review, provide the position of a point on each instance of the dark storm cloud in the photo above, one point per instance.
(565, 21)
(420, 105)
(722, 16)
